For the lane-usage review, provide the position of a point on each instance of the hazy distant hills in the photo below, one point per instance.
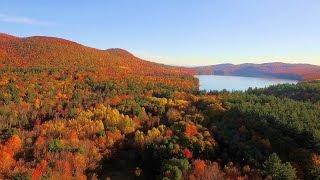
(272, 70)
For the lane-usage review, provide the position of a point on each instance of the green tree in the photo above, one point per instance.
(278, 170)
(55, 145)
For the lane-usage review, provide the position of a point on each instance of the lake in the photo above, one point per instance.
(235, 83)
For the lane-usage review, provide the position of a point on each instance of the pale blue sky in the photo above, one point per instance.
(180, 32)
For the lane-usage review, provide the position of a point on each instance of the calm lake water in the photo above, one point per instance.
(234, 83)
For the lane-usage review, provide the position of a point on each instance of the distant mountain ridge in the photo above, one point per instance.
(270, 70)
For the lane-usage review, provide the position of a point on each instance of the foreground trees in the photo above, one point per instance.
(64, 124)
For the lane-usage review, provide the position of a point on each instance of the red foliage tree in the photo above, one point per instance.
(187, 153)
(39, 170)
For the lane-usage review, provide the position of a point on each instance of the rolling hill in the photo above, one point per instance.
(272, 70)
(56, 52)
(51, 52)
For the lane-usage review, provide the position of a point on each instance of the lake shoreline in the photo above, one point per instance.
(237, 83)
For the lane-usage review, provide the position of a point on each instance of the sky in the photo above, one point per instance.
(177, 32)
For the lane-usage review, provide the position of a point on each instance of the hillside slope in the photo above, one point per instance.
(273, 70)
(51, 52)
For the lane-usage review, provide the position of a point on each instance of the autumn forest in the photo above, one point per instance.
(68, 111)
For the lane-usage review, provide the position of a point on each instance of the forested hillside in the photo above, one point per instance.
(303, 91)
(269, 70)
(56, 53)
(72, 112)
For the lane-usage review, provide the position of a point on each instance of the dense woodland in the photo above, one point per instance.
(63, 119)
